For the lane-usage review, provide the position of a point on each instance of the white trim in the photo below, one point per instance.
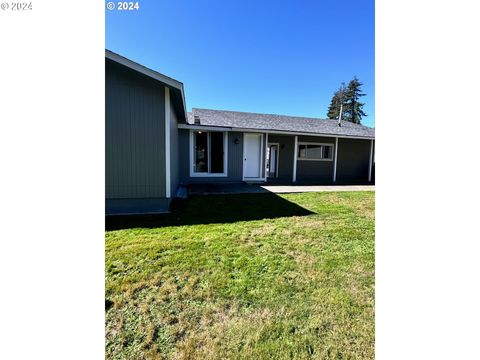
(314, 143)
(209, 151)
(205, 175)
(278, 156)
(273, 132)
(264, 157)
(168, 186)
(143, 69)
(191, 164)
(225, 153)
(281, 132)
(192, 160)
(244, 159)
(303, 159)
(370, 162)
(335, 161)
(295, 151)
(203, 128)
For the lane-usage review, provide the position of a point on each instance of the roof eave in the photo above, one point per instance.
(270, 131)
(172, 83)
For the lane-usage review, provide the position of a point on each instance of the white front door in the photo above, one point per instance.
(252, 156)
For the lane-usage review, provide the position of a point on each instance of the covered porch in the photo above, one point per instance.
(287, 159)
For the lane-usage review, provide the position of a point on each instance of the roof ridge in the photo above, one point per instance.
(257, 113)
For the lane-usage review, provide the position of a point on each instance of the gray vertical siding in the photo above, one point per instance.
(309, 171)
(134, 135)
(235, 156)
(174, 157)
(183, 157)
(235, 159)
(285, 160)
(353, 160)
(320, 172)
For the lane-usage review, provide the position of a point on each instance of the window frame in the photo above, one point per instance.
(192, 154)
(332, 152)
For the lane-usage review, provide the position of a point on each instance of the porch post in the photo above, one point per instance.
(295, 150)
(370, 162)
(265, 158)
(335, 161)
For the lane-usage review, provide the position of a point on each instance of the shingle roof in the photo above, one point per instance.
(245, 120)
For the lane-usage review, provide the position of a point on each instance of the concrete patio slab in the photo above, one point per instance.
(225, 188)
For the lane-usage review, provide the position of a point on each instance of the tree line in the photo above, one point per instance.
(346, 99)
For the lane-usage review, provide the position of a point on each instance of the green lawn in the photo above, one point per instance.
(257, 276)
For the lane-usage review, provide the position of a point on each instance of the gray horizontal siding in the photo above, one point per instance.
(235, 159)
(134, 135)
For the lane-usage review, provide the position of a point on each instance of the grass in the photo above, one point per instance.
(256, 276)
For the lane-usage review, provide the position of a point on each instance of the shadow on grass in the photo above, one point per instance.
(213, 209)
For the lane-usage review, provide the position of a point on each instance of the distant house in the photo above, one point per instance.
(153, 145)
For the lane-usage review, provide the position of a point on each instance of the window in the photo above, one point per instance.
(201, 152)
(209, 153)
(314, 151)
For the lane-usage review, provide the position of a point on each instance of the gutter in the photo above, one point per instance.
(269, 131)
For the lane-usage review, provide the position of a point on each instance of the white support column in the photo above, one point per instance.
(295, 151)
(167, 143)
(335, 161)
(265, 158)
(370, 162)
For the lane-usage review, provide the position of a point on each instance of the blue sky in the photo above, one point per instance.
(280, 57)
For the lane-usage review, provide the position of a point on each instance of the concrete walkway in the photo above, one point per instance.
(244, 188)
(278, 189)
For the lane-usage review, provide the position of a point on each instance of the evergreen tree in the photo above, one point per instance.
(338, 97)
(353, 108)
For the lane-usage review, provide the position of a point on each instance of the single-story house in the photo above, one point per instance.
(153, 145)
